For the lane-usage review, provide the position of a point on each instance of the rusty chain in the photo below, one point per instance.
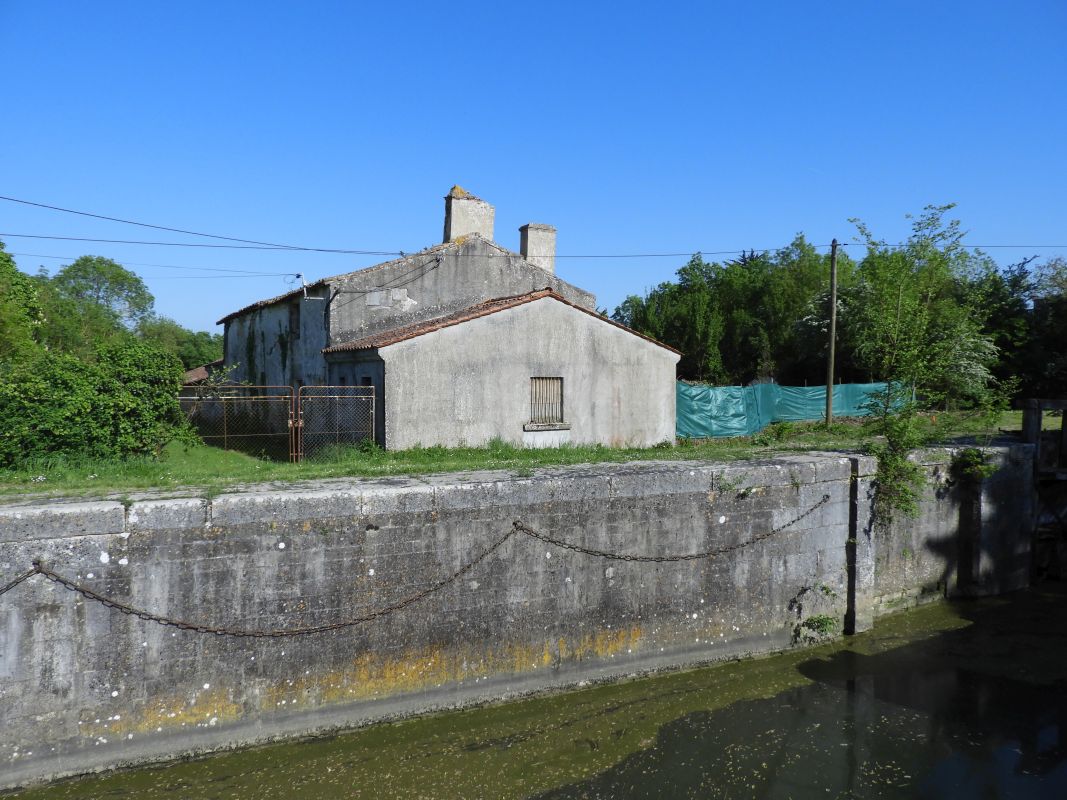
(517, 527)
(242, 633)
(28, 574)
(589, 551)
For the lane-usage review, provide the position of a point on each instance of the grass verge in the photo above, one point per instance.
(209, 470)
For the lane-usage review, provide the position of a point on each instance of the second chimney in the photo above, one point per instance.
(537, 244)
(466, 214)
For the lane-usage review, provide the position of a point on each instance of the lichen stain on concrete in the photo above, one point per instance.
(371, 676)
(169, 712)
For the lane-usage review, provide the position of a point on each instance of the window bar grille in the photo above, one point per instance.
(546, 401)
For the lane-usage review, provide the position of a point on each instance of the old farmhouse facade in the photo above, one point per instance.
(465, 342)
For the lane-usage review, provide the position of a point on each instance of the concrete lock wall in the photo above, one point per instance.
(84, 687)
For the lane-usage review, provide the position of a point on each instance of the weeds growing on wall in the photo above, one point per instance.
(899, 480)
(972, 465)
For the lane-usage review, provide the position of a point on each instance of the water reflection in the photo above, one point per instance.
(907, 722)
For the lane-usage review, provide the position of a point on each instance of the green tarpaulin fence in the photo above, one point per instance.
(707, 411)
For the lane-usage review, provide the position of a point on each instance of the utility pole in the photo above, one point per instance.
(833, 336)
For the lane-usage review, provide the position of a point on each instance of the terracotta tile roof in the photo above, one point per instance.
(483, 309)
(201, 373)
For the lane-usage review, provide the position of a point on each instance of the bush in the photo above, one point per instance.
(123, 404)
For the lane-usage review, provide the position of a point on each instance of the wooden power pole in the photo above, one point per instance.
(833, 335)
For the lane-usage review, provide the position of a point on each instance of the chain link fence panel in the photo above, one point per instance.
(257, 420)
(333, 417)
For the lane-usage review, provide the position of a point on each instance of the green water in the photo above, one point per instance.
(960, 701)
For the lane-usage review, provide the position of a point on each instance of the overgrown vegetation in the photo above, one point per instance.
(822, 624)
(937, 321)
(86, 370)
(766, 315)
(972, 465)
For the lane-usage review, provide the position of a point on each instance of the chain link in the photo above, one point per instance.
(589, 551)
(28, 574)
(517, 527)
(242, 633)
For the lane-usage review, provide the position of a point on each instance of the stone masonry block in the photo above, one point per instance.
(58, 520)
(284, 506)
(176, 514)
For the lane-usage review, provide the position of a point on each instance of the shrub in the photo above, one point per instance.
(121, 405)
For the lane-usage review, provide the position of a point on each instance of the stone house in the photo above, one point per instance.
(463, 342)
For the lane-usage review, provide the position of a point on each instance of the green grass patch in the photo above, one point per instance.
(209, 470)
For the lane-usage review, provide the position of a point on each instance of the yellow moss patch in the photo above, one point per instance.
(198, 708)
(369, 676)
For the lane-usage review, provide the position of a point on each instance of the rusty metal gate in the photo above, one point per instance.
(332, 417)
(271, 422)
(256, 420)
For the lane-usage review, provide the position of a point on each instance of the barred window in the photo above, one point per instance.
(546, 401)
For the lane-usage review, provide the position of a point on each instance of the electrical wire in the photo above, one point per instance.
(412, 279)
(155, 227)
(204, 244)
(170, 266)
(401, 253)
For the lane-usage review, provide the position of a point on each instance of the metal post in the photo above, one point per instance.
(833, 335)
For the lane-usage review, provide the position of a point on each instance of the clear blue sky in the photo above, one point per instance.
(631, 127)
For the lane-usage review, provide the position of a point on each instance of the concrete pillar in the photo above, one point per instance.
(537, 244)
(466, 214)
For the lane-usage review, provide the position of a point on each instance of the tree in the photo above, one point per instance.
(683, 315)
(740, 321)
(910, 328)
(20, 310)
(908, 323)
(107, 284)
(194, 348)
(1047, 373)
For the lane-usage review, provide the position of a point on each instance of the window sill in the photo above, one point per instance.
(547, 426)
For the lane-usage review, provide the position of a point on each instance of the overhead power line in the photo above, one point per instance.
(204, 244)
(149, 225)
(401, 253)
(249, 272)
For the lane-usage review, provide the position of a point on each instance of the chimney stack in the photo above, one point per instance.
(466, 214)
(537, 244)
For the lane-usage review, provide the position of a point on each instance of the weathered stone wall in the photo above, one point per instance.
(263, 349)
(83, 687)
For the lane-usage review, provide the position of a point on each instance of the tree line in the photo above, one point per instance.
(930, 311)
(86, 365)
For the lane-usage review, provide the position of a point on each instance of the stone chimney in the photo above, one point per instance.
(466, 214)
(537, 244)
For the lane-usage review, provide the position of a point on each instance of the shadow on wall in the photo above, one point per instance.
(972, 537)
